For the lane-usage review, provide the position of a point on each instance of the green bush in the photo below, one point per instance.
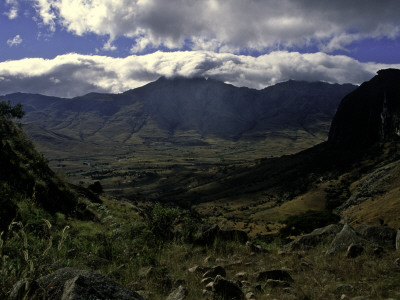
(307, 222)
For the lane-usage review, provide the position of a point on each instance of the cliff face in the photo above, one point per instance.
(369, 114)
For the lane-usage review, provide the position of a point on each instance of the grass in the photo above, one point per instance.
(123, 246)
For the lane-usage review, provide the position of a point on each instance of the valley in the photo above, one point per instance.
(164, 206)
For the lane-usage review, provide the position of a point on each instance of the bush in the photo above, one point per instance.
(307, 222)
(8, 111)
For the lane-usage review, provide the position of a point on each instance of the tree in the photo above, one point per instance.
(8, 111)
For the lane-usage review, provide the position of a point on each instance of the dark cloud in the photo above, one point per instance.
(228, 26)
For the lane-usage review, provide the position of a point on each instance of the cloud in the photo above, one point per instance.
(74, 74)
(15, 41)
(13, 6)
(221, 25)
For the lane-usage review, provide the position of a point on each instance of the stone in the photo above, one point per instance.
(344, 239)
(255, 248)
(277, 274)
(241, 275)
(209, 286)
(213, 272)
(250, 296)
(226, 289)
(179, 294)
(354, 251)
(74, 284)
(277, 283)
(380, 235)
(310, 240)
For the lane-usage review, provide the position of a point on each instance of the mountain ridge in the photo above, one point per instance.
(196, 108)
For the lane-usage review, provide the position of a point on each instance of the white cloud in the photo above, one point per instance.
(13, 6)
(221, 25)
(15, 41)
(74, 74)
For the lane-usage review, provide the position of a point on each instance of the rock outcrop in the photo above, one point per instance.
(314, 238)
(346, 237)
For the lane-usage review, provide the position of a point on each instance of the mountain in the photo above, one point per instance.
(183, 111)
(369, 114)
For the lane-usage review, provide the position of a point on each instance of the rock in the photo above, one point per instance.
(250, 296)
(74, 284)
(213, 272)
(179, 294)
(277, 283)
(241, 276)
(198, 269)
(344, 288)
(314, 238)
(226, 289)
(354, 250)
(274, 274)
(398, 240)
(344, 239)
(255, 248)
(379, 235)
(209, 286)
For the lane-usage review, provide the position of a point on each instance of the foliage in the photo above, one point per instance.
(307, 222)
(8, 111)
(161, 222)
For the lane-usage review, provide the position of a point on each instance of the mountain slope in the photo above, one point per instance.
(185, 110)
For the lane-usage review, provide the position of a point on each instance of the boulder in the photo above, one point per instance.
(314, 238)
(74, 284)
(277, 274)
(179, 294)
(344, 239)
(226, 289)
(379, 235)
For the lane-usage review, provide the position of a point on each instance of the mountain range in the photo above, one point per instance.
(183, 111)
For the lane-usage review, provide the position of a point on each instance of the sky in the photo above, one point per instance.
(68, 48)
